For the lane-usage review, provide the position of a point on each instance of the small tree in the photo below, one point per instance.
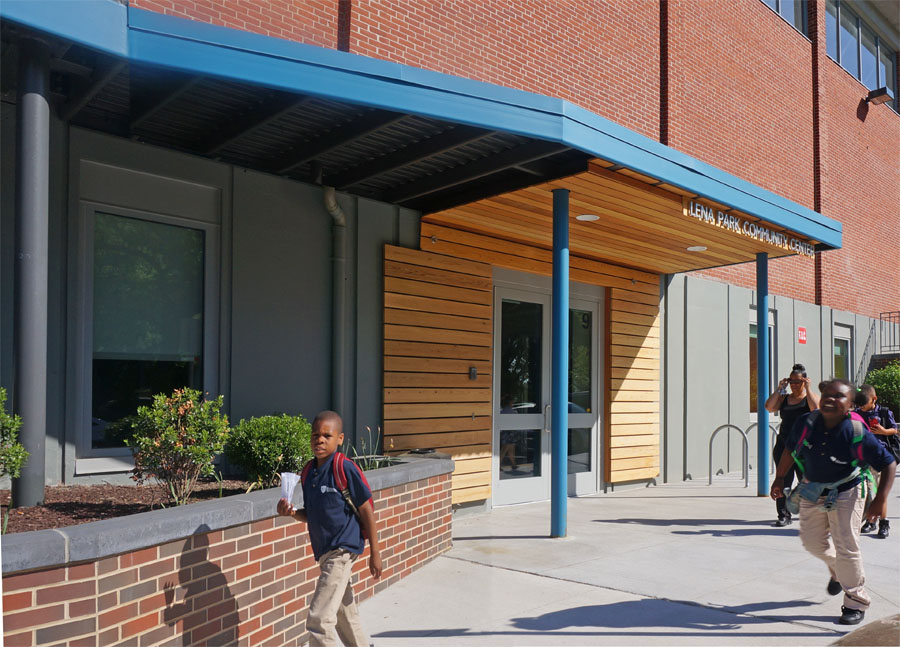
(886, 381)
(176, 440)
(12, 453)
(266, 446)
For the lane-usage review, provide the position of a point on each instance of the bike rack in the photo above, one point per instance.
(774, 430)
(744, 453)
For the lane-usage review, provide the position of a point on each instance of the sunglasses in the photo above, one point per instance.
(795, 381)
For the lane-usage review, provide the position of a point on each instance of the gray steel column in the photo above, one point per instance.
(32, 236)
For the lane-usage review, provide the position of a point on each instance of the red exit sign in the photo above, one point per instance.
(801, 335)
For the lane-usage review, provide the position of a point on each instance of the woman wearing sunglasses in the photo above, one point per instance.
(792, 398)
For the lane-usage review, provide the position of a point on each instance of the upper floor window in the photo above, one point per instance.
(859, 50)
(794, 11)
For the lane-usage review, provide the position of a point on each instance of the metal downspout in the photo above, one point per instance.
(338, 299)
(32, 259)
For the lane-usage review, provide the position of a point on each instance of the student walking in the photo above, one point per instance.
(338, 524)
(835, 452)
(881, 423)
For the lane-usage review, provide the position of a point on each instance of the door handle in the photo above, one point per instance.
(547, 418)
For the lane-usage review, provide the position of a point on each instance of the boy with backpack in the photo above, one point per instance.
(835, 452)
(337, 508)
(881, 423)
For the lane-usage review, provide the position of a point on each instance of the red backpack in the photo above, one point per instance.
(340, 478)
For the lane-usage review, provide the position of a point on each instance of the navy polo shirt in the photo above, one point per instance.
(330, 521)
(828, 457)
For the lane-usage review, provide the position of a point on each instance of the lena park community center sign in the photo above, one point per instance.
(710, 216)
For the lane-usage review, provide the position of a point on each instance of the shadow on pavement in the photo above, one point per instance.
(636, 618)
(686, 522)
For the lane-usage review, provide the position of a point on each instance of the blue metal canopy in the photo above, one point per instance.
(508, 132)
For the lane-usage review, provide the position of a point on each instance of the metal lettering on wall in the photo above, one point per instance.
(747, 228)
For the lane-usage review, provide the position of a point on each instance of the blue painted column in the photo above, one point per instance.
(762, 372)
(559, 401)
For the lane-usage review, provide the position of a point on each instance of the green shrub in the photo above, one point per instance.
(264, 447)
(12, 453)
(886, 381)
(176, 440)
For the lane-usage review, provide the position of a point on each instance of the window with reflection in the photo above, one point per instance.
(147, 319)
(858, 48)
(842, 358)
(754, 364)
(580, 351)
(849, 43)
(520, 357)
(520, 453)
(793, 11)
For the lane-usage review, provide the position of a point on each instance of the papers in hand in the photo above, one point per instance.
(289, 482)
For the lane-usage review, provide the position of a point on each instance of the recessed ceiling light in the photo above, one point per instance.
(696, 248)
(587, 217)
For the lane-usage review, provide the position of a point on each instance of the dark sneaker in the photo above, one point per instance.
(868, 526)
(834, 587)
(884, 529)
(851, 616)
(782, 522)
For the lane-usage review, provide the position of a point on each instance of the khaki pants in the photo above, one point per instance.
(833, 536)
(333, 606)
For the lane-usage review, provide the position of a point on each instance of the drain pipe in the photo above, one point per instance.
(338, 297)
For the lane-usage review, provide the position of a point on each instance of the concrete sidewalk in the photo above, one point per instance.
(683, 564)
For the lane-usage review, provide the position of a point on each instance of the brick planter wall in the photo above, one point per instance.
(244, 583)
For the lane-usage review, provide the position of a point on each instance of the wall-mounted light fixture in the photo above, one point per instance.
(696, 248)
(587, 217)
(879, 95)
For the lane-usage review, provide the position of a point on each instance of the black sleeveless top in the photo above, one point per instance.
(789, 413)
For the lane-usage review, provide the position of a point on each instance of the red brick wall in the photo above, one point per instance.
(593, 54)
(863, 191)
(250, 582)
(857, 175)
(742, 99)
(313, 22)
(740, 86)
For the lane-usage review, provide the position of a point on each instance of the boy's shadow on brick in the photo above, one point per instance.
(206, 611)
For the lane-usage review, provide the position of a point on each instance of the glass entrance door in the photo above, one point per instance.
(521, 465)
(522, 396)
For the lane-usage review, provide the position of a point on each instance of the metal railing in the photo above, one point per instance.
(890, 332)
(867, 353)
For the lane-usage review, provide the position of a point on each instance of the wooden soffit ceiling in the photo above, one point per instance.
(642, 223)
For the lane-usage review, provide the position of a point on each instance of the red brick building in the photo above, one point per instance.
(446, 126)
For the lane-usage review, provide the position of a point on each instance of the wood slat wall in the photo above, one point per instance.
(632, 344)
(437, 324)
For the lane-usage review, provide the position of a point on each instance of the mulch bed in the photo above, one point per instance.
(70, 505)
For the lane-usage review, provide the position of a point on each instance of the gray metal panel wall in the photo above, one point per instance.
(739, 375)
(379, 224)
(808, 315)
(706, 355)
(707, 366)
(281, 298)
